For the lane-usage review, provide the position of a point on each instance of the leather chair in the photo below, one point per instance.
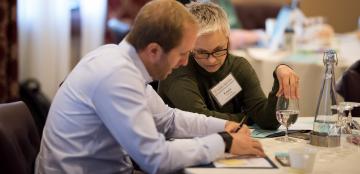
(38, 104)
(349, 84)
(19, 139)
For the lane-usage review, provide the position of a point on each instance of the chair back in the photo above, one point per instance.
(19, 139)
(38, 104)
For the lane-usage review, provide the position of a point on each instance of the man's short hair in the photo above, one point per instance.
(211, 17)
(162, 22)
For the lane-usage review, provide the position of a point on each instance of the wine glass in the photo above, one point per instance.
(345, 122)
(287, 111)
(349, 106)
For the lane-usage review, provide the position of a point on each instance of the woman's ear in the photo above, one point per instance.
(154, 52)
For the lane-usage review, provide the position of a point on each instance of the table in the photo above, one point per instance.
(308, 65)
(343, 159)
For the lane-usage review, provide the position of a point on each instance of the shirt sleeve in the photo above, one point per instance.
(176, 123)
(120, 102)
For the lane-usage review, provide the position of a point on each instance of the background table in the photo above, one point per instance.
(308, 65)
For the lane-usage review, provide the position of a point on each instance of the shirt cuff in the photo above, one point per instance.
(215, 125)
(215, 145)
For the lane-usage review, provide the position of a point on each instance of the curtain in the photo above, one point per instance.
(8, 52)
(93, 14)
(44, 42)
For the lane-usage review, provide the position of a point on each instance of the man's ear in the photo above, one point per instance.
(153, 51)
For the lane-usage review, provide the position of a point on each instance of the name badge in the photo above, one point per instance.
(225, 90)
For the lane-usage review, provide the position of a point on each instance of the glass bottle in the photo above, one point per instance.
(326, 131)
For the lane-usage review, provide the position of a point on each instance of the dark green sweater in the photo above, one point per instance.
(187, 88)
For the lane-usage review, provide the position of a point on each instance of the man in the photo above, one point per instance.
(105, 112)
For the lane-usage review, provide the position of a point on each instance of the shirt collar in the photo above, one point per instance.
(130, 50)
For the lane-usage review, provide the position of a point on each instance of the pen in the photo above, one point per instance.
(241, 123)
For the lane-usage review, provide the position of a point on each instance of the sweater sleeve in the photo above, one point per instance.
(184, 93)
(259, 108)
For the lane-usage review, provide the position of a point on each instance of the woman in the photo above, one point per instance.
(219, 84)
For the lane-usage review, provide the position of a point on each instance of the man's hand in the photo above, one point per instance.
(232, 127)
(288, 82)
(243, 144)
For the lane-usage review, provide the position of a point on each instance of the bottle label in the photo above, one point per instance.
(327, 126)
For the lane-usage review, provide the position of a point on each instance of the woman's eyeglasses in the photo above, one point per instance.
(206, 55)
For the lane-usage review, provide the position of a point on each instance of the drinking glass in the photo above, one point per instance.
(345, 121)
(287, 111)
(349, 106)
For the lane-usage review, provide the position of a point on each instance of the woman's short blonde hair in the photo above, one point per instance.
(211, 17)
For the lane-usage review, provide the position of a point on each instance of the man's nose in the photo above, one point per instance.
(184, 61)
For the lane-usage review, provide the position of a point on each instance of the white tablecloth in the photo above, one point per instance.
(335, 160)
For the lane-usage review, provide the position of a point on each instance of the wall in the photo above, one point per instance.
(341, 14)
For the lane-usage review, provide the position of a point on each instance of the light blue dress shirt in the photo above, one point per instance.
(105, 111)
